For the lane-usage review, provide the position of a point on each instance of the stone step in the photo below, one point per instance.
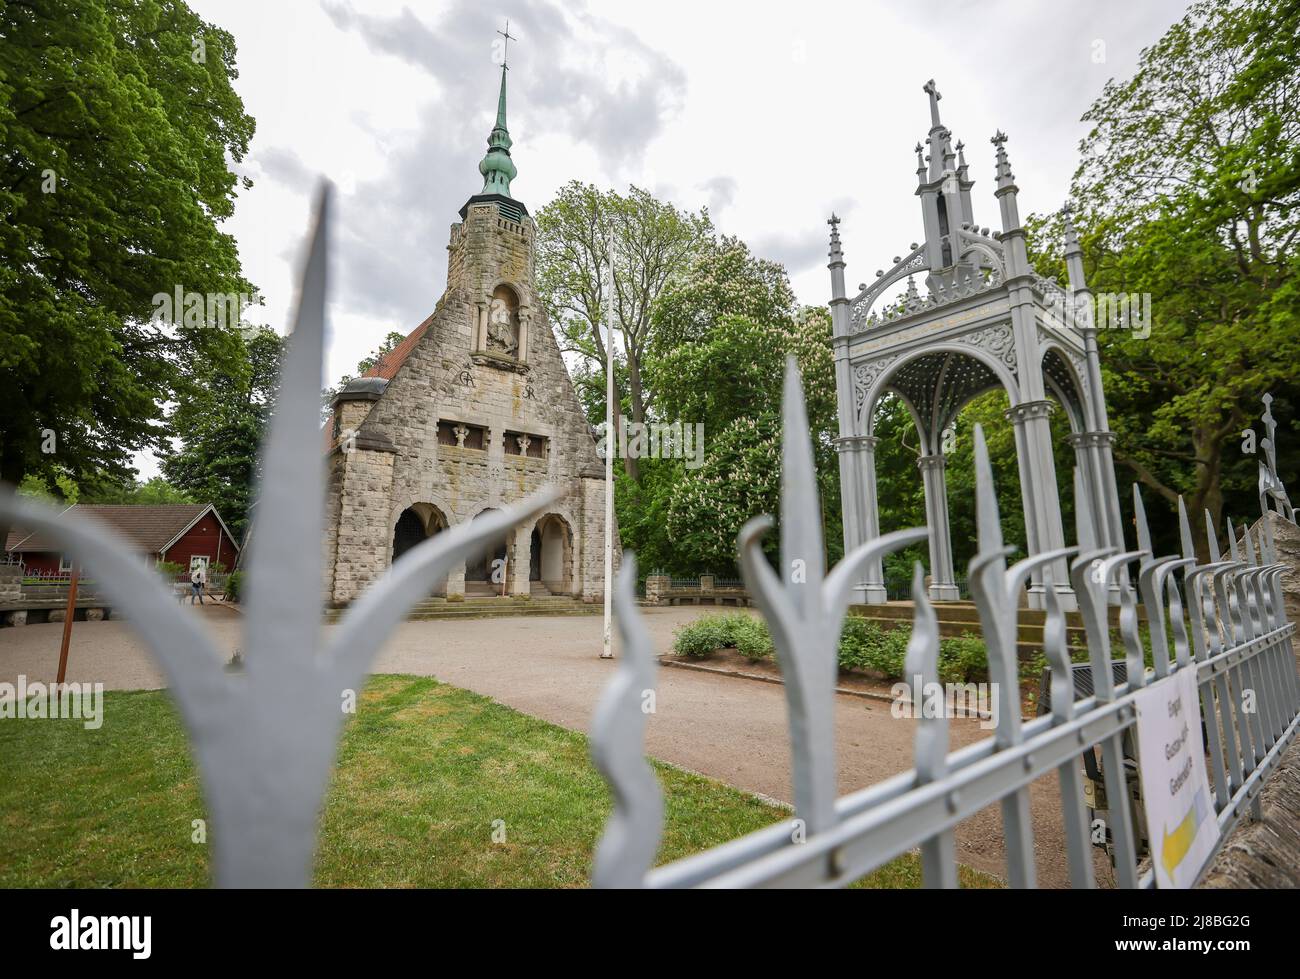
(502, 613)
(511, 602)
(949, 627)
(967, 612)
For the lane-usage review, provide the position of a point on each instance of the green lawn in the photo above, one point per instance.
(424, 770)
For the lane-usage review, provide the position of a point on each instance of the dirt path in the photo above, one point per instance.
(725, 727)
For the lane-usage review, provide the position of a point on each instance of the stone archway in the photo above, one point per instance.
(552, 554)
(415, 524)
(479, 569)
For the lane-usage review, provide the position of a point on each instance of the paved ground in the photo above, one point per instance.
(729, 728)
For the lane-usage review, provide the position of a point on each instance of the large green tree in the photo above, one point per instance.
(1189, 185)
(721, 334)
(118, 120)
(220, 426)
(654, 244)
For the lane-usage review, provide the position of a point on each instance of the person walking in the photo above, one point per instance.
(198, 578)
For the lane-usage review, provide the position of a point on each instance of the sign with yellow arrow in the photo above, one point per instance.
(1175, 786)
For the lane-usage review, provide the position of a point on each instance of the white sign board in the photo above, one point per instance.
(1175, 787)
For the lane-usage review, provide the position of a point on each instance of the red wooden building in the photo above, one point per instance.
(187, 534)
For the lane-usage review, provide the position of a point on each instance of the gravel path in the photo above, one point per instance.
(725, 727)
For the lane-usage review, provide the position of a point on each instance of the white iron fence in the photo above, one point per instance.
(1224, 620)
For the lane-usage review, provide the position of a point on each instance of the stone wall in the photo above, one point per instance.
(11, 583)
(1286, 538)
(1265, 853)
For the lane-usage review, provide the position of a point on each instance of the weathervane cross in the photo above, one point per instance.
(505, 50)
(929, 89)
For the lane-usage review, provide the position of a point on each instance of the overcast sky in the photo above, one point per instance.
(770, 114)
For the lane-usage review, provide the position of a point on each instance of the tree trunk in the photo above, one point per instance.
(12, 472)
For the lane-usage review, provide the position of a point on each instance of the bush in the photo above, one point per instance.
(170, 570)
(963, 660)
(699, 638)
(746, 634)
(751, 638)
(857, 639)
(234, 585)
(864, 645)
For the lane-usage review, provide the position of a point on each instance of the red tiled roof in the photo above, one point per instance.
(150, 528)
(391, 362)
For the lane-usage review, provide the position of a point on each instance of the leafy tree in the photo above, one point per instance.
(364, 366)
(654, 245)
(731, 379)
(151, 492)
(118, 119)
(221, 426)
(1189, 186)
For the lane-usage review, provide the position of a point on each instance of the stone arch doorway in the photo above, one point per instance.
(552, 554)
(479, 569)
(415, 524)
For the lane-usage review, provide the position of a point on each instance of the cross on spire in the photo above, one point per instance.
(505, 49)
(930, 90)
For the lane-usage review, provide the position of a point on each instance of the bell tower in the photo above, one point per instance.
(491, 252)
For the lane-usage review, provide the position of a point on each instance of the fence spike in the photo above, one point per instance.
(1143, 531)
(921, 668)
(930, 751)
(1185, 529)
(1211, 539)
(631, 839)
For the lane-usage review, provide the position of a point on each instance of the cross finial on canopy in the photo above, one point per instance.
(505, 49)
(833, 220)
(1270, 446)
(930, 90)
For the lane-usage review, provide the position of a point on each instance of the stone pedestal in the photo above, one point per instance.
(655, 586)
(11, 583)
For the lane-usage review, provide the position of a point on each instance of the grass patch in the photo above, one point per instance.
(424, 770)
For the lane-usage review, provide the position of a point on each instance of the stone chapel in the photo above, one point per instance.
(473, 411)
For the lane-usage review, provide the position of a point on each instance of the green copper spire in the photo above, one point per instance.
(497, 167)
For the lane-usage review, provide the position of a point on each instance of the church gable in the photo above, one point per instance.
(474, 410)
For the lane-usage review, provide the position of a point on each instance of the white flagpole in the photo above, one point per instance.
(607, 649)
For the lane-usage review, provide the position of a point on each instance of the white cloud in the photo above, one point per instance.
(771, 115)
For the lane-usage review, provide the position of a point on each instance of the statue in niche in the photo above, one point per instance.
(503, 322)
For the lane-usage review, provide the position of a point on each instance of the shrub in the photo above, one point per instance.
(170, 570)
(699, 638)
(963, 660)
(747, 635)
(857, 640)
(750, 637)
(864, 645)
(234, 584)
